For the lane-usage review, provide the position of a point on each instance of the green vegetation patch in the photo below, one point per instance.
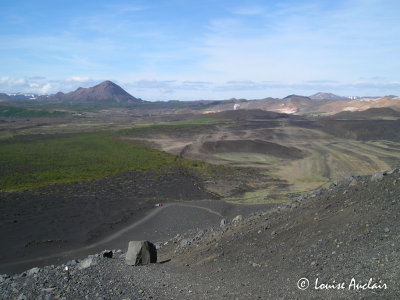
(39, 161)
(36, 161)
(20, 112)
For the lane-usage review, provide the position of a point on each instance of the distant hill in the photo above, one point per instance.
(105, 92)
(369, 114)
(4, 97)
(328, 96)
(296, 98)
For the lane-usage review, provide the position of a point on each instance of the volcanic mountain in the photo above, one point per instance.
(105, 92)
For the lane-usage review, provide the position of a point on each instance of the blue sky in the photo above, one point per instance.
(204, 49)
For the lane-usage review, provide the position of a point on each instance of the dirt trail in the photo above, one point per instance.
(115, 235)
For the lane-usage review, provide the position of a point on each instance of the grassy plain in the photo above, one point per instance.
(38, 161)
(30, 161)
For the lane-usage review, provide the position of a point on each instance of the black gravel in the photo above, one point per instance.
(346, 234)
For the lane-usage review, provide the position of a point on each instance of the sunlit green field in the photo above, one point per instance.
(326, 163)
(34, 162)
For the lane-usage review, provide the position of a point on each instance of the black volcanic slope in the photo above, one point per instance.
(346, 236)
(105, 91)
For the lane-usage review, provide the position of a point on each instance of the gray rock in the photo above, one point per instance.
(353, 182)
(177, 238)
(185, 242)
(32, 271)
(140, 253)
(237, 219)
(390, 172)
(159, 245)
(72, 262)
(4, 277)
(332, 186)
(200, 234)
(88, 262)
(377, 176)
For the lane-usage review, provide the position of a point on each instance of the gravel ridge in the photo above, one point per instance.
(348, 233)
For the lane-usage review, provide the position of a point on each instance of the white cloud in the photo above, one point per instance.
(45, 89)
(42, 85)
(78, 79)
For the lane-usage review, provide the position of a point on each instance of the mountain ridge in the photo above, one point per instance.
(328, 96)
(106, 91)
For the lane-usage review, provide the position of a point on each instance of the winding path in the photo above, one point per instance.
(115, 235)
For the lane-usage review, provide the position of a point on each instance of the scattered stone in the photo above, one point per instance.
(237, 219)
(141, 253)
(377, 177)
(177, 238)
(184, 243)
(199, 234)
(91, 260)
(353, 182)
(108, 254)
(72, 262)
(32, 271)
(110, 280)
(159, 245)
(223, 222)
(390, 172)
